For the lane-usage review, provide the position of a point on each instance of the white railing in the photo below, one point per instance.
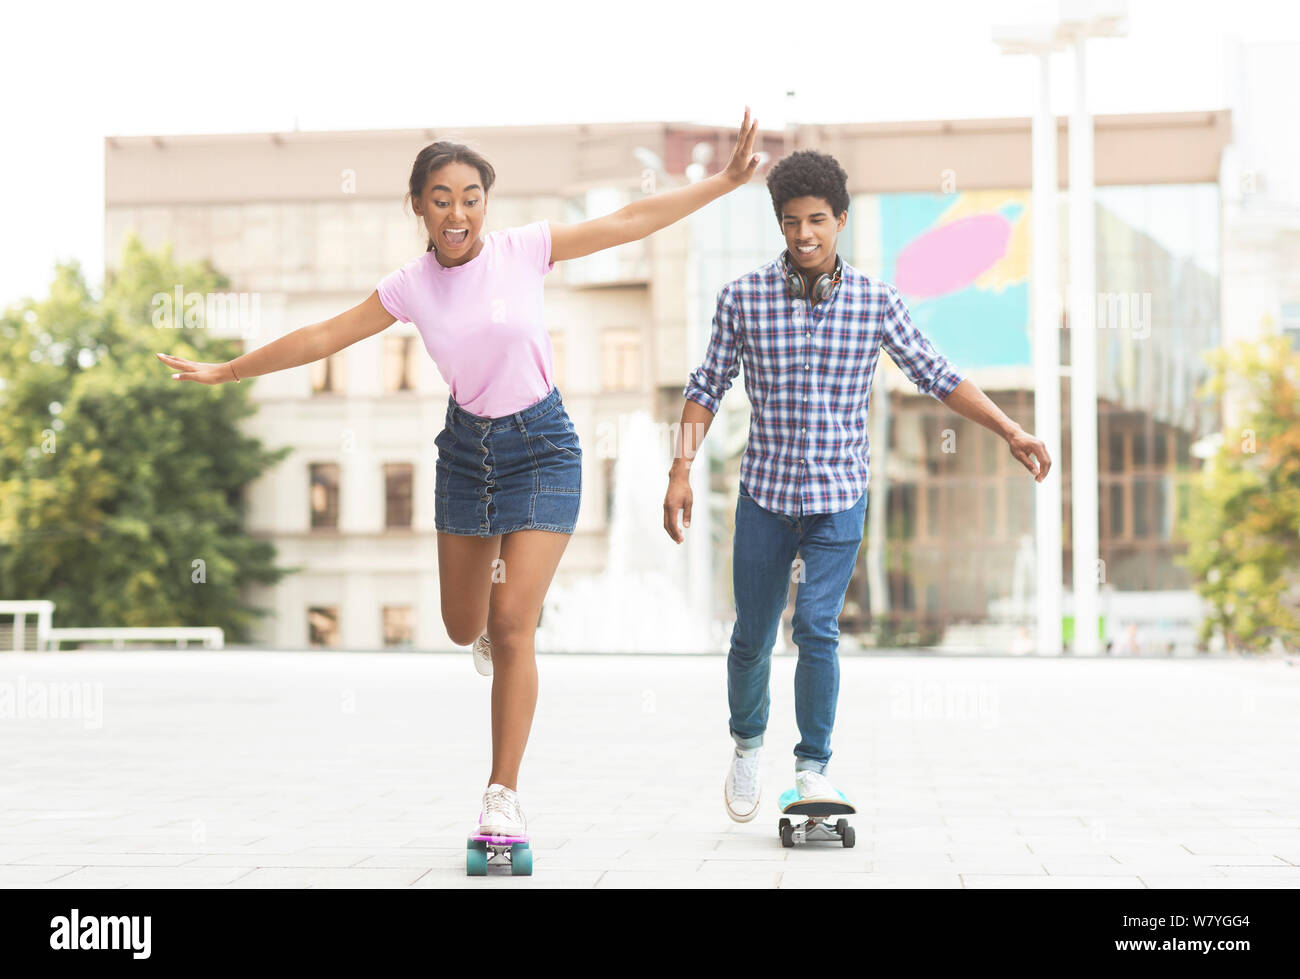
(16, 636)
(42, 609)
(211, 636)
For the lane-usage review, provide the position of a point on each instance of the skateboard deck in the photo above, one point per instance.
(791, 804)
(483, 850)
(814, 824)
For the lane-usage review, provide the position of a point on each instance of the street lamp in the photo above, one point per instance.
(1076, 21)
(1041, 40)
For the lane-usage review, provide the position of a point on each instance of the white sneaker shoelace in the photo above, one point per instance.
(814, 785)
(500, 805)
(744, 778)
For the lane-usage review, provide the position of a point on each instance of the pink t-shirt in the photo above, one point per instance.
(482, 322)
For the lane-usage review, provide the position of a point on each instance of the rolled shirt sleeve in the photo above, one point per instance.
(929, 370)
(710, 381)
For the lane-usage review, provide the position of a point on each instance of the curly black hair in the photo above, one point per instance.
(807, 173)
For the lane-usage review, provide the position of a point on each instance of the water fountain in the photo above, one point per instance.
(647, 598)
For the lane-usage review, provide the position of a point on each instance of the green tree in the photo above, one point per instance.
(121, 490)
(1243, 525)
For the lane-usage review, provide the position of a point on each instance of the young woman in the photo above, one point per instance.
(509, 468)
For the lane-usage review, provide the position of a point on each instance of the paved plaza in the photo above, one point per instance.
(255, 769)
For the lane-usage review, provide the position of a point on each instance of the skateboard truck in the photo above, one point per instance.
(813, 823)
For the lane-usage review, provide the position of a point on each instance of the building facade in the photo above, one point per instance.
(309, 223)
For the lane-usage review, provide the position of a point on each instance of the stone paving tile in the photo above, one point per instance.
(91, 858)
(311, 877)
(299, 859)
(441, 879)
(800, 879)
(654, 862)
(1003, 881)
(1086, 867)
(693, 879)
(209, 758)
(1157, 881)
(117, 877)
(15, 876)
(923, 864)
(1240, 859)
(1286, 873)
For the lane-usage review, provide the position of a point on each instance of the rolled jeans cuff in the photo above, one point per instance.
(746, 743)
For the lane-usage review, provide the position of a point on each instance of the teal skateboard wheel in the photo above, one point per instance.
(521, 860)
(476, 860)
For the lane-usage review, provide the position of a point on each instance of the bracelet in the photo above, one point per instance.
(232, 370)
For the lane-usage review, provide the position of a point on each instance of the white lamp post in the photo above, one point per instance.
(1077, 20)
(1041, 40)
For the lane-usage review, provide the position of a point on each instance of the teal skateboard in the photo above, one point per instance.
(813, 824)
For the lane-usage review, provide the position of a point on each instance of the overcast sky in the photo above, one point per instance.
(73, 74)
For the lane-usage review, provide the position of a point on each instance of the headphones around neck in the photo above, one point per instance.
(821, 289)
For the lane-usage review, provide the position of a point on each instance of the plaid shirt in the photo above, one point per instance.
(808, 375)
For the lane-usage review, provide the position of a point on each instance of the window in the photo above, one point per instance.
(992, 516)
(399, 363)
(329, 375)
(1117, 510)
(323, 625)
(399, 626)
(933, 514)
(1141, 507)
(902, 510)
(1115, 453)
(621, 360)
(1140, 459)
(324, 495)
(398, 479)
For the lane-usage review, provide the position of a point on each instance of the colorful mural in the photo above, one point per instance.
(961, 262)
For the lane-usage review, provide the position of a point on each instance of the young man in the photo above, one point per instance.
(808, 328)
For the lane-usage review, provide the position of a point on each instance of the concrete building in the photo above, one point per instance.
(309, 223)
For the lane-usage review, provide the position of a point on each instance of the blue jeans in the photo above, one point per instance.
(763, 553)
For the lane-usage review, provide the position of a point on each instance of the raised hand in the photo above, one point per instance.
(743, 160)
(190, 370)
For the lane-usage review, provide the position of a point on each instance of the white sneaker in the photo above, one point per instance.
(743, 787)
(501, 814)
(815, 785)
(483, 655)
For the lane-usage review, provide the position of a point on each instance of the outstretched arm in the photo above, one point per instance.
(970, 402)
(304, 345)
(643, 217)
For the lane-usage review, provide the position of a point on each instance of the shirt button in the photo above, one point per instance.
(807, 334)
(805, 366)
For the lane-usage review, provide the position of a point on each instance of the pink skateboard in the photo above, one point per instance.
(514, 850)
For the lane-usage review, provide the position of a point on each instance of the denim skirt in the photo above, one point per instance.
(517, 472)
